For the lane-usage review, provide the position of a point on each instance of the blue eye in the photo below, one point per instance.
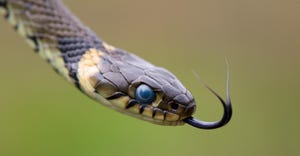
(144, 94)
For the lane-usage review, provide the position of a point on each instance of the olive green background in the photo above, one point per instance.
(42, 115)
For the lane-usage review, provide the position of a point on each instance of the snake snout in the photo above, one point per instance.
(184, 104)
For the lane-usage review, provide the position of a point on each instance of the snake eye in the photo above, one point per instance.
(144, 94)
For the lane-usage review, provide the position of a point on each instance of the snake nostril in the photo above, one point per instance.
(190, 110)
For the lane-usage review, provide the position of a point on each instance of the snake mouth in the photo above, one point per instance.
(132, 107)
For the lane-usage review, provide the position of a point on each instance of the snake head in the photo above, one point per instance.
(170, 97)
(131, 85)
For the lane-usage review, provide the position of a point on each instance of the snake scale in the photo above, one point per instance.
(112, 76)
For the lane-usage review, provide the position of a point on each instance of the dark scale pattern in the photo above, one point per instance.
(73, 48)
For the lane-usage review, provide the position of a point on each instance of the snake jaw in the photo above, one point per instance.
(149, 113)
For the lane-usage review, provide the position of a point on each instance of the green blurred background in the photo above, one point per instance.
(42, 115)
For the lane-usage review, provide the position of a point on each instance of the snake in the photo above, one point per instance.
(112, 76)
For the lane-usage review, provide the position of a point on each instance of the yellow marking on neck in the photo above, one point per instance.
(108, 47)
(87, 69)
(87, 75)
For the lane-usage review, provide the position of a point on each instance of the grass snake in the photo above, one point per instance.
(112, 76)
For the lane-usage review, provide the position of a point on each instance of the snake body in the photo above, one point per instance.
(107, 74)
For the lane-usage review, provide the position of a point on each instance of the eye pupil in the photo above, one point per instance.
(144, 94)
(174, 105)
